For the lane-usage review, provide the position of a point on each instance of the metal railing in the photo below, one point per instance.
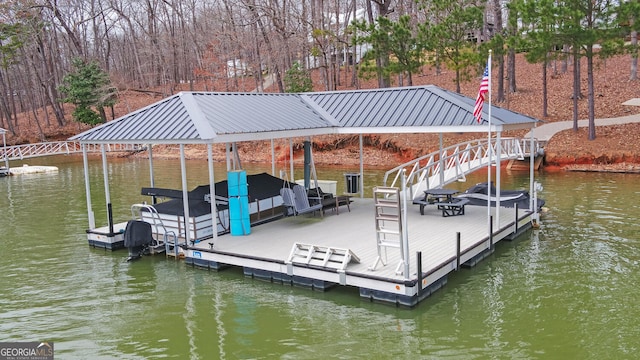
(26, 151)
(450, 164)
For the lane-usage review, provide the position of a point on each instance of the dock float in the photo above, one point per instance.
(35, 169)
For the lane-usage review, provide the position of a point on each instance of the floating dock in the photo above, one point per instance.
(340, 250)
(28, 169)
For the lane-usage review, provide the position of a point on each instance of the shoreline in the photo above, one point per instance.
(621, 168)
(381, 159)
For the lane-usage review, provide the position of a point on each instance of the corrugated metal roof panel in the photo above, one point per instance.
(233, 113)
(419, 106)
(166, 119)
(203, 116)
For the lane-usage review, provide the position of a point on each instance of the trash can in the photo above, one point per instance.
(352, 182)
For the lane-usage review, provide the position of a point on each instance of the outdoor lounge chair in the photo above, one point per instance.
(327, 200)
(296, 201)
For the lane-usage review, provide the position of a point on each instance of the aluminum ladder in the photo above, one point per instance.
(388, 219)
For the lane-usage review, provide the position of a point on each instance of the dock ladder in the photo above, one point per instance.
(169, 241)
(388, 216)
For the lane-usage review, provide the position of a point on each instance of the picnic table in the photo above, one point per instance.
(444, 200)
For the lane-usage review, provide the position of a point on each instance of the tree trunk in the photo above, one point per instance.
(4, 106)
(634, 56)
(544, 88)
(500, 96)
(497, 11)
(267, 41)
(77, 45)
(382, 61)
(565, 60)
(591, 94)
(576, 87)
(511, 70)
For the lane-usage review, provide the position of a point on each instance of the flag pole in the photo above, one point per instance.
(489, 148)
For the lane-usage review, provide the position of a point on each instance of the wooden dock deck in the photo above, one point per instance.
(264, 253)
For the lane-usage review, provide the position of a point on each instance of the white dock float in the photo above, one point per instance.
(265, 253)
(102, 237)
(28, 169)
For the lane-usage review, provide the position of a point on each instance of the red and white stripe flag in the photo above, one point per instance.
(484, 89)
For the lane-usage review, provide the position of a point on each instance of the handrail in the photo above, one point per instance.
(169, 238)
(452, 163)
(25, 151)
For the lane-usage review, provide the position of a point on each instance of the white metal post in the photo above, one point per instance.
(87, 187)
(107, 194)
(489, 146)
(185, 196)
(498, 179)
(212, 193)
(291, 159)
(273, 159)
(361, 180)
(151, 178)
(405, 231)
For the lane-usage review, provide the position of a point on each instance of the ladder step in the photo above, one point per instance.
(388, 231)
(387, 203)
(389, 243)
(387, 217)
(386, 190)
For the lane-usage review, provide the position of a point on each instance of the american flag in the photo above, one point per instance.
(484, 89)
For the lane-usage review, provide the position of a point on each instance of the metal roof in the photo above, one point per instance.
(213, 117)
(418, 106)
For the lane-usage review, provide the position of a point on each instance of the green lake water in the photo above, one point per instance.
(569, 290)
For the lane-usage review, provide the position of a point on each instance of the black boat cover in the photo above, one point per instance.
(261, 186)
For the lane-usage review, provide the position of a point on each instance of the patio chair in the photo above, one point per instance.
(296, 202)
(328, 200)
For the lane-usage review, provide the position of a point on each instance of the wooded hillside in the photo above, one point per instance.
(153, 49)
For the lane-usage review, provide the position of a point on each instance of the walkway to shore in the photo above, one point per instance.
(544, 132)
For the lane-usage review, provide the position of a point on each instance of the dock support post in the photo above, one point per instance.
(516, 222)
(457, 251)
(491, 233)
(110, 218)
(419, 266)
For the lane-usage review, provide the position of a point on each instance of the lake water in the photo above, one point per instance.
(569, 290)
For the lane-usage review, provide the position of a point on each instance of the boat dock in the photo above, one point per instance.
(445, 244)
(394, 256)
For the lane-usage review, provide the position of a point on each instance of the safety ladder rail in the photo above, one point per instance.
(388, 220)
(169, 238)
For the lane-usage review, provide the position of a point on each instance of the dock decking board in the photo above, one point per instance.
(269, 245)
